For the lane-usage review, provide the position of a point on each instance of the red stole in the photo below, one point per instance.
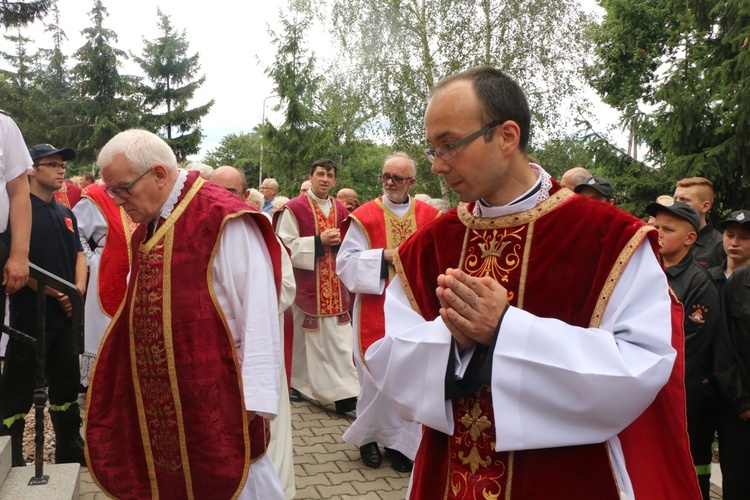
(166, 414)
(550, 271)
(115, 260)
(319, 292)
(383, 229)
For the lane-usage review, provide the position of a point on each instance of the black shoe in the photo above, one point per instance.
(346, 405)
(371, 456)
(68, 440)
(399, 461)
(295, 396)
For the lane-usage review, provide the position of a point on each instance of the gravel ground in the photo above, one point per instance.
(29, 447)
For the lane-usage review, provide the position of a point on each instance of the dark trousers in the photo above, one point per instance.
(19, 380)
(734, 453)
(701, 426)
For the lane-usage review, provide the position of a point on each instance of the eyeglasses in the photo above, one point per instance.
(53, 164)
(449, 150)
(124, 191)
(265, 187)
(395, 178)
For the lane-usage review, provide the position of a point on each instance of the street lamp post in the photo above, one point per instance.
(263, 123)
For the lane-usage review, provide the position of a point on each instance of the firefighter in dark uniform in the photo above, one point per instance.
(55, 247)
(678, 225)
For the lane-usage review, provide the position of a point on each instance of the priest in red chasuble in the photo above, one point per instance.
(530, 330)
(187, 374)
(365, 266)
(322, 366)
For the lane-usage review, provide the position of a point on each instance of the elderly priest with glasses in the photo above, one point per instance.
(188, 372)
(365, 266)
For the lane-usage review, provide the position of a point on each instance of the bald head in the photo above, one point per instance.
(574, 177)
(349, 198)
(230, 178)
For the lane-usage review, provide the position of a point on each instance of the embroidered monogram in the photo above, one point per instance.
(494, 253)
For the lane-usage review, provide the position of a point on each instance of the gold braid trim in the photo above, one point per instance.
(615, 273)
(517, 219)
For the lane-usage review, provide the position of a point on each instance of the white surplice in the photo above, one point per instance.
(92, 225)
(358, 267)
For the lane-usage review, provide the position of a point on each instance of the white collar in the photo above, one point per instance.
(397, 207)
(319, 201)
(543, 184)
(174, 195)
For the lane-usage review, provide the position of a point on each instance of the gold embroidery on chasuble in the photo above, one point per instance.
(330, 301)
(397, 229)
(152, 362)
(476, 470)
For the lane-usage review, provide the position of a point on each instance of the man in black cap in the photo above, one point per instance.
(736, 242)
(678, 225)
(55, 247)
(597, 188)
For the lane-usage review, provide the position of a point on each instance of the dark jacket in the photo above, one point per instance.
(693, 287)
(732, 364)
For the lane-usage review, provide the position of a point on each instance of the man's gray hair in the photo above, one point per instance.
(272, 184)
(204, 170)
(141, 148)
(401, 154)
(254, 197)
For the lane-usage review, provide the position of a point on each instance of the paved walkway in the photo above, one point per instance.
(326, 467)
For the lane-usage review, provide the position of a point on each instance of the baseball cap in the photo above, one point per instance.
(43, 150)
(600, 184)
(681, 210)
(741, 217)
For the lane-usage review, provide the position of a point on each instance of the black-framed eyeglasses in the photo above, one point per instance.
(53, 164)
(397, 180)
(449, 150)
(124, 191)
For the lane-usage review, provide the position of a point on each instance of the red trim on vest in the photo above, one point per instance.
(114, 264)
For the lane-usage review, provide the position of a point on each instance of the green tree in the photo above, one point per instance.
(684, 87)
(17, 88)
(399, 49)
(20, 13)
(295, 144)
(166, 63)
(106, 103)
(239, 150)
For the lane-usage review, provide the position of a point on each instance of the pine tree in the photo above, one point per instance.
(106, 104)
(20, 13)
(171, 71)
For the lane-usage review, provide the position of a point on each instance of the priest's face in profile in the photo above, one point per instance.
(140, 194)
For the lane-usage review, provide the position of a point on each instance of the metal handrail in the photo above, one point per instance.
(45, 279)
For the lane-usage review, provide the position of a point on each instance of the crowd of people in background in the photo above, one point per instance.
(211, 305)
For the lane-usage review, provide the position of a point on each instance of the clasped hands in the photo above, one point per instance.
(470, 307)
(330, 237)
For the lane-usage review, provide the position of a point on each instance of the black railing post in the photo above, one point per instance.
(44, 280)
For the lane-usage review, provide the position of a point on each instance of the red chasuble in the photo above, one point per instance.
(165, 413)
(383, 229)
(68, 195)
(552, 271)
(319, 292)
(114, 264)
